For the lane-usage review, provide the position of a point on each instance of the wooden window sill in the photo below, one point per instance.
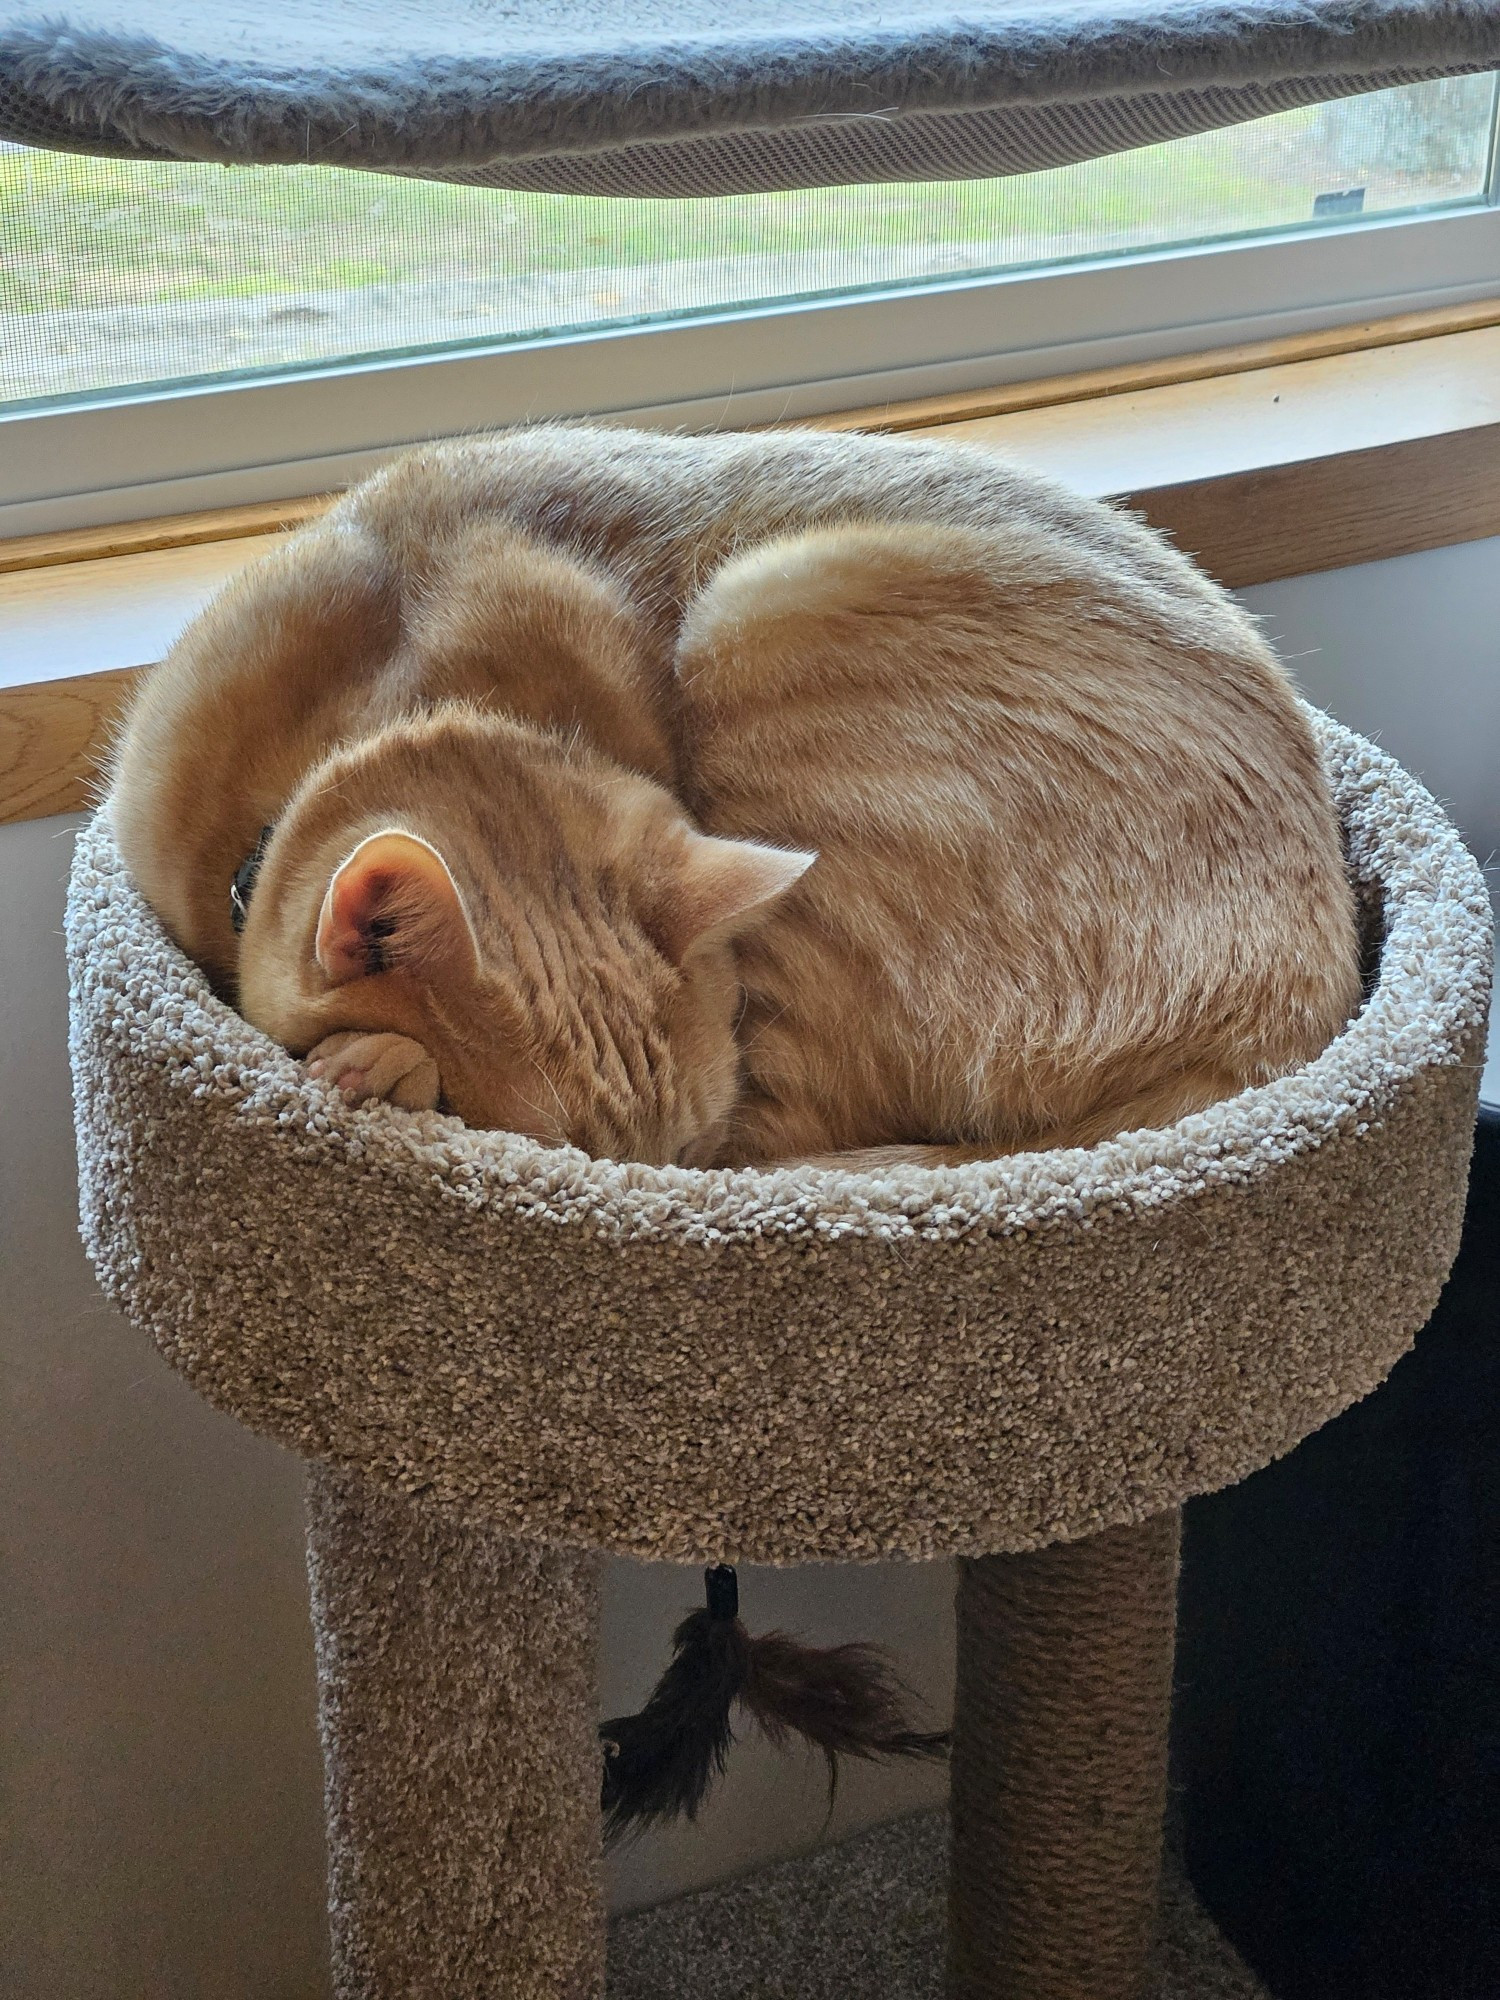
(1338, 448)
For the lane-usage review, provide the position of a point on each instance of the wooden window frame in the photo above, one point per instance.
(1273, 459)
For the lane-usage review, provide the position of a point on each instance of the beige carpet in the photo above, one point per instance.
(856, 1921)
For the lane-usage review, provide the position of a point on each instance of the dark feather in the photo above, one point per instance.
(659, 1765)
(845, 1700)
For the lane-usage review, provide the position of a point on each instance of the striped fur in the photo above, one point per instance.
(1076, 872)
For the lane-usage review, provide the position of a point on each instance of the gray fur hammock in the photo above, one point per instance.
(500, 1360)
(695, 97)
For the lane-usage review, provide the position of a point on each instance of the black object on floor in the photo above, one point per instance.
(1338, 1710)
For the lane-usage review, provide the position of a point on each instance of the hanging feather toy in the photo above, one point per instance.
(843, 1700)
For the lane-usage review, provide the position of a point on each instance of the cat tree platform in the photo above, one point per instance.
(500, 1360)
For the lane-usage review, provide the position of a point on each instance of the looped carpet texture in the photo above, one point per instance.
(793, 1365)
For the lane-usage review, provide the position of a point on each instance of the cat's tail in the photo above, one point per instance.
(843, 1700)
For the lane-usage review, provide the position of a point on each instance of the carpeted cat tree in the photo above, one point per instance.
(501, 1360)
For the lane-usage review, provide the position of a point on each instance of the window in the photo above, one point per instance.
(123, 283)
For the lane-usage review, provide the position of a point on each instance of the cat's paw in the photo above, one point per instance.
(377, 1065)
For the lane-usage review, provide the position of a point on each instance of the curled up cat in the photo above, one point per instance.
(736, 801)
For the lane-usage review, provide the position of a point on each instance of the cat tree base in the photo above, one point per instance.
(866, 1920)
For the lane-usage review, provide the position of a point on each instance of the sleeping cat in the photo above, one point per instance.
(741, 800)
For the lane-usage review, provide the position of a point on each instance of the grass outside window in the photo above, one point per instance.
(124, 275)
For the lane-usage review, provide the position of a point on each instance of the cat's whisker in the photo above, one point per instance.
(557, 1094)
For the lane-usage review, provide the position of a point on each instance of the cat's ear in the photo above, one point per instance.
(718, 887)
(394, 906)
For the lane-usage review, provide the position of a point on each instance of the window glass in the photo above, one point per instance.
(131, 275)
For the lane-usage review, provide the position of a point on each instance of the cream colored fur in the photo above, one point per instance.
(549, 726)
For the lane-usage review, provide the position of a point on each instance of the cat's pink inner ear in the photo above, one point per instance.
(722, 886)
(393, 906)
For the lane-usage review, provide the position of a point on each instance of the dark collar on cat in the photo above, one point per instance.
(243, 886)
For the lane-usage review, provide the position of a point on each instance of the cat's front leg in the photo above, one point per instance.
(377, 1064)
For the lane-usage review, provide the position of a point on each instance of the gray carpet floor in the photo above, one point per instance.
(861, 1921)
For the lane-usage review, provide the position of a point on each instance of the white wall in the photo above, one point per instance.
(1408, 652)
(162, 1818)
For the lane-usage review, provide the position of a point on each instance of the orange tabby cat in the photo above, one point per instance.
(745, 799)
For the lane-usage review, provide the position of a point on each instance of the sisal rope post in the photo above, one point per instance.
(456, 1689)
(1060, 1766)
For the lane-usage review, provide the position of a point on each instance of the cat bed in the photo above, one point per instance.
(695, 97)
(501, 1359)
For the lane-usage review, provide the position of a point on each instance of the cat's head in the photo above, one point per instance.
(547, 924)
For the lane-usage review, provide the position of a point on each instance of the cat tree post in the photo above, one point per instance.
(456, 1677)
(1059, 1787)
